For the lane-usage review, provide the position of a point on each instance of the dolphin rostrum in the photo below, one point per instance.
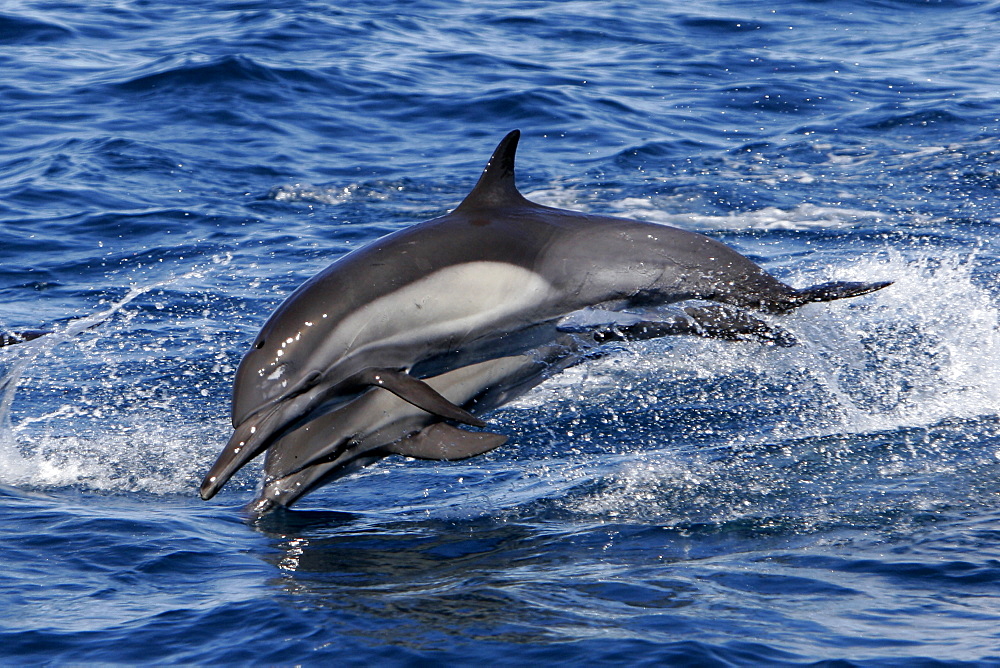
(469, 288)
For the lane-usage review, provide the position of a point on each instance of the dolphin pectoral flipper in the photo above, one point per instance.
(418, 393)
(442, 441)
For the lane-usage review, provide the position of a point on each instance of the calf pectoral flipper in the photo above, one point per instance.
(442, 441)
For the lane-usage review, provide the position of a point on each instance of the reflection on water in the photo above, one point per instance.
(493, 578)
(413, 583)
(468, 579)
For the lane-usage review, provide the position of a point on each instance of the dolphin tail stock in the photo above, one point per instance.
(828, 292)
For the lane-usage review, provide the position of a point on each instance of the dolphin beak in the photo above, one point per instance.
(242, 447)
(283, 490)
(252, 437)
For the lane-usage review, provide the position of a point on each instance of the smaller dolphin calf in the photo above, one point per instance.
(389, 347)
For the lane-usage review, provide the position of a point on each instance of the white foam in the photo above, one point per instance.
(664, 210)
(303, 192)
(95, 442)
(562, 197)
(801, 217)
(148, 458)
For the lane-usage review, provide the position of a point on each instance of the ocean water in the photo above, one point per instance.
(170, 172)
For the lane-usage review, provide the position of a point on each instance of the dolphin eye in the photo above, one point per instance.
(259, 344)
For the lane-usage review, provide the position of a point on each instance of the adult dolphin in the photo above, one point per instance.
(443, 294)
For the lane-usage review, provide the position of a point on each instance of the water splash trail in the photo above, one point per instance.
(873, 397)
(920, 354)
(23, 355)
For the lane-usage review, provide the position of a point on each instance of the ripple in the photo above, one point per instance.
(27, 30)
(683, 501)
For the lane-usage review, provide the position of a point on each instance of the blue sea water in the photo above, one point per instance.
(169, 172)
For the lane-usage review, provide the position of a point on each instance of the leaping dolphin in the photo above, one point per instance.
(466, 289)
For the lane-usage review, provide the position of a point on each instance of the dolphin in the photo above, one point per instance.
(10, 338)
(378, 423)
(467, 288)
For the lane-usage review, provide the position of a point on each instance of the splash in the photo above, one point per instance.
(882, 393)
(923, 352)
(130, 451)
(661, 210)
(665, 424)
(31, 350)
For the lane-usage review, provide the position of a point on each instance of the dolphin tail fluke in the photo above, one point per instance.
(10, 338)
(827, 292)
(442, 441)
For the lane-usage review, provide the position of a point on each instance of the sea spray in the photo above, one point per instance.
(839, 430)
(33, 452)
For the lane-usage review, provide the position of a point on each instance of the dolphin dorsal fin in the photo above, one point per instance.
(496, 186)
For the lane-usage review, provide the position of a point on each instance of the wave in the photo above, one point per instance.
(255, 80)
(913, 119)
(25, 30)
